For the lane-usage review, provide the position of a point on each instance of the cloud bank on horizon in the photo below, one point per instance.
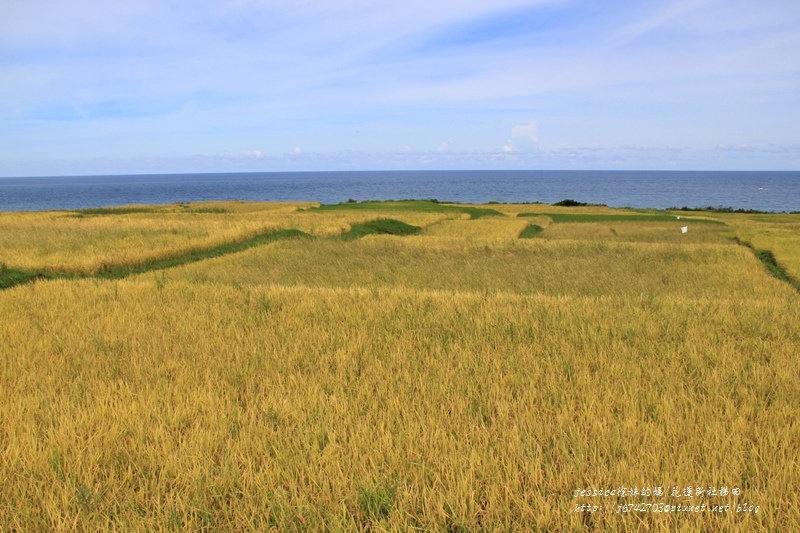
(134, 86)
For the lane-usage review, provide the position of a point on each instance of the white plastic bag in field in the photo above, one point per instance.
(684, 229)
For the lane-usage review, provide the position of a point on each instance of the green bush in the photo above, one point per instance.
(568, 202)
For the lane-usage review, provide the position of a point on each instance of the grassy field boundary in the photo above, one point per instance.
(11, 276)
(426, 206)
(769, 261)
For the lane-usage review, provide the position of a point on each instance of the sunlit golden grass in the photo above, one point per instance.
(457, 380)
(667, 232)
(513, 210)
(142, 405)
(483, 229)
(778, 233)
(332, 223)
(524, 266)
(86, 243)
(247, 207)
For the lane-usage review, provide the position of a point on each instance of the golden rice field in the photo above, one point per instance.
(87, 242)
(459, 379)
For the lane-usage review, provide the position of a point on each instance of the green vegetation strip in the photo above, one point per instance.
(426, 206)
(10, 276)
(531, 231)
(383, 226)
(767, 259)
(578, 217)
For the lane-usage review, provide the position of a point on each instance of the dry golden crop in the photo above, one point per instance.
(86, 242)
(428, 382)
(92, 240)
(484, 229)
(640, 232)
(525, 266)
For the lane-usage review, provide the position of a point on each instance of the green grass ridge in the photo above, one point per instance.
(10, 277)
(381, 226)
(531, 231)
(767, 259)
(429, 206)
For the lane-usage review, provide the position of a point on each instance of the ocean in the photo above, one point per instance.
(762, 191)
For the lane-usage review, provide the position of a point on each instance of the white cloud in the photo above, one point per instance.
(522, 136)
(257, 154)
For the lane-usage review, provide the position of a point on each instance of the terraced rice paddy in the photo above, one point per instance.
(452, 378)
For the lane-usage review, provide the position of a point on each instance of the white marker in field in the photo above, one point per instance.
(684, 229)
(679, 217)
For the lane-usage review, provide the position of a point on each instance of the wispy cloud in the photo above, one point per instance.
(736, 148)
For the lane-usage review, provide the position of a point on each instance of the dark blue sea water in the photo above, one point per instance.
(764, 191)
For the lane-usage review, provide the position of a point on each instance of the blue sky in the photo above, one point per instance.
(146, 86)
